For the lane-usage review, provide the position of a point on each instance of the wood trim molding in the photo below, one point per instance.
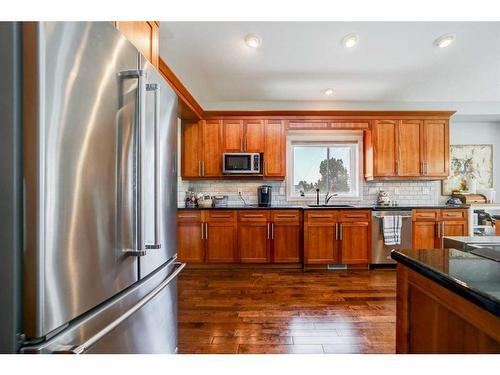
(189, 106)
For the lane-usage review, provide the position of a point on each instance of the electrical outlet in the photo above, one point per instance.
(240, 192)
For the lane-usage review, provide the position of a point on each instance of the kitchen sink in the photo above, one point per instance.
(330, 205)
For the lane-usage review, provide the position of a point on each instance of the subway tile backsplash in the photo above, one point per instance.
(404, 192)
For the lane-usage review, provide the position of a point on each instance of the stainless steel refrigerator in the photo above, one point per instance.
(99, 181)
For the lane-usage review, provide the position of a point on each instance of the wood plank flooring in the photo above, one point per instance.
(287, 311)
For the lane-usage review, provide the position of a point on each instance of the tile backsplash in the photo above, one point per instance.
(404, 192)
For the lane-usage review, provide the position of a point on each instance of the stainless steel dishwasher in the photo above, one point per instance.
(381, 253)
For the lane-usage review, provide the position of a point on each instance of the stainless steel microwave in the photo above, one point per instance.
(242, 163)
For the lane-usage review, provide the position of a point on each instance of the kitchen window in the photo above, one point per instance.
(330, 166)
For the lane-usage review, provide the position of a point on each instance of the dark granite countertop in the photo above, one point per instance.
(305, 207)
(474, 278)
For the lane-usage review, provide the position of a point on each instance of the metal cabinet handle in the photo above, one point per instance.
(155, 88)
(272, 231)
(336, 231)
(438, 229)
(355, 216)
(249, 215)
(206, 231)
(202, 230)
(220, 216)
(203, 167)
(138, 214)
(397, 167)
(268, 230)
(425, 168)
(284, 215)
(340, 231)
(99, 335)
(241, 144)
(199, 168)
(320, 216)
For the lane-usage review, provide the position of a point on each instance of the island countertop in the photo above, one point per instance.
(474, 278)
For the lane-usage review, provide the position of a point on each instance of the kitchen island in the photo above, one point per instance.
(448, 301)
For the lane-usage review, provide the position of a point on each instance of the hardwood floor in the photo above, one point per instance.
(287, 311)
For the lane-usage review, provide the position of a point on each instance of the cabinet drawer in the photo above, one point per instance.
(185, 216)
(453, 214)
(320, 216)
(354, 215)
(425, 215)
(220, 216)
(253, 215)
(285, 216)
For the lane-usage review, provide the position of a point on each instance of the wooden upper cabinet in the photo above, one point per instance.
(233, 133)
(436, 147)
(191, 148)
(254, 136)
(274, 149)
(145, 35)
(410, 148)
(385, 146)
(212, 148)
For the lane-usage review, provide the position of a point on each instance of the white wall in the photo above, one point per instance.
(467, 133)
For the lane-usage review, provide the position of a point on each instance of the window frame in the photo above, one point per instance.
(326, 138)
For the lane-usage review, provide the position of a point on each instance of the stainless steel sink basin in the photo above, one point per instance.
(330, 205)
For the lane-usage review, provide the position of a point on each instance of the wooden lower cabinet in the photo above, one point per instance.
(355, 243)
(220, 239)
(320, 243)
(287, 242)
(253, 242)
(190, 245)
(430, 226)
(337, 237)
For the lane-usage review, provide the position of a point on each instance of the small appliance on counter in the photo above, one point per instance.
(264, 194)
(220, 201)
(384, 198)
(205, 201)
(454, 201)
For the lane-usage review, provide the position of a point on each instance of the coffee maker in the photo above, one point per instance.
(264, 194)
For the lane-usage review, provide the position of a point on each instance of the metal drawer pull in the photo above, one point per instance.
(220, 216)
(402, 216)
(321, 216)
(253, 215)
(195, 216)
(340, 232)
(283, 215)
(354, 216)
(202, 231)
(272, 231)
(99, 335)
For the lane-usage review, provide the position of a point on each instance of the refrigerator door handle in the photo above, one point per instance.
(138, 235)
(155, 88)
(82, 348)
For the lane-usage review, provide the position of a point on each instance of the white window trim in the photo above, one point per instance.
(325, 137)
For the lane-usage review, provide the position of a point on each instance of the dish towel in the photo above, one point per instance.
(392, 230)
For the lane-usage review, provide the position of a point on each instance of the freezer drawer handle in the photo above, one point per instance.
(80, 349)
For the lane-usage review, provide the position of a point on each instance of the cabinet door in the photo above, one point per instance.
(354, 243)
(254, 136)
(191, 146)
(232, 133)
(410, 148)
(452, 228)
(274, 149)
(286, 242)
(320, 243)
(212, 148)
(221, 242)
(190, 245)
(424, 234)
(144, 35)
(436, 148)
(385, 146)
(253, 242)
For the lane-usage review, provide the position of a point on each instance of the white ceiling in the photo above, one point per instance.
(394, 65)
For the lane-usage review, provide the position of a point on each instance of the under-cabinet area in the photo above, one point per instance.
(299, 236)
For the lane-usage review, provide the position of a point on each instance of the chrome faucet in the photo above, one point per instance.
(329, 196)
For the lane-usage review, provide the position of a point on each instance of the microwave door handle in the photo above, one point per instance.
(138, 214)
(155, 88)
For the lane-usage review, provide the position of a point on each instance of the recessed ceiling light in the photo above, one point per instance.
(253, 41)
(329, 92)
(350, 40)
(444, 41)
